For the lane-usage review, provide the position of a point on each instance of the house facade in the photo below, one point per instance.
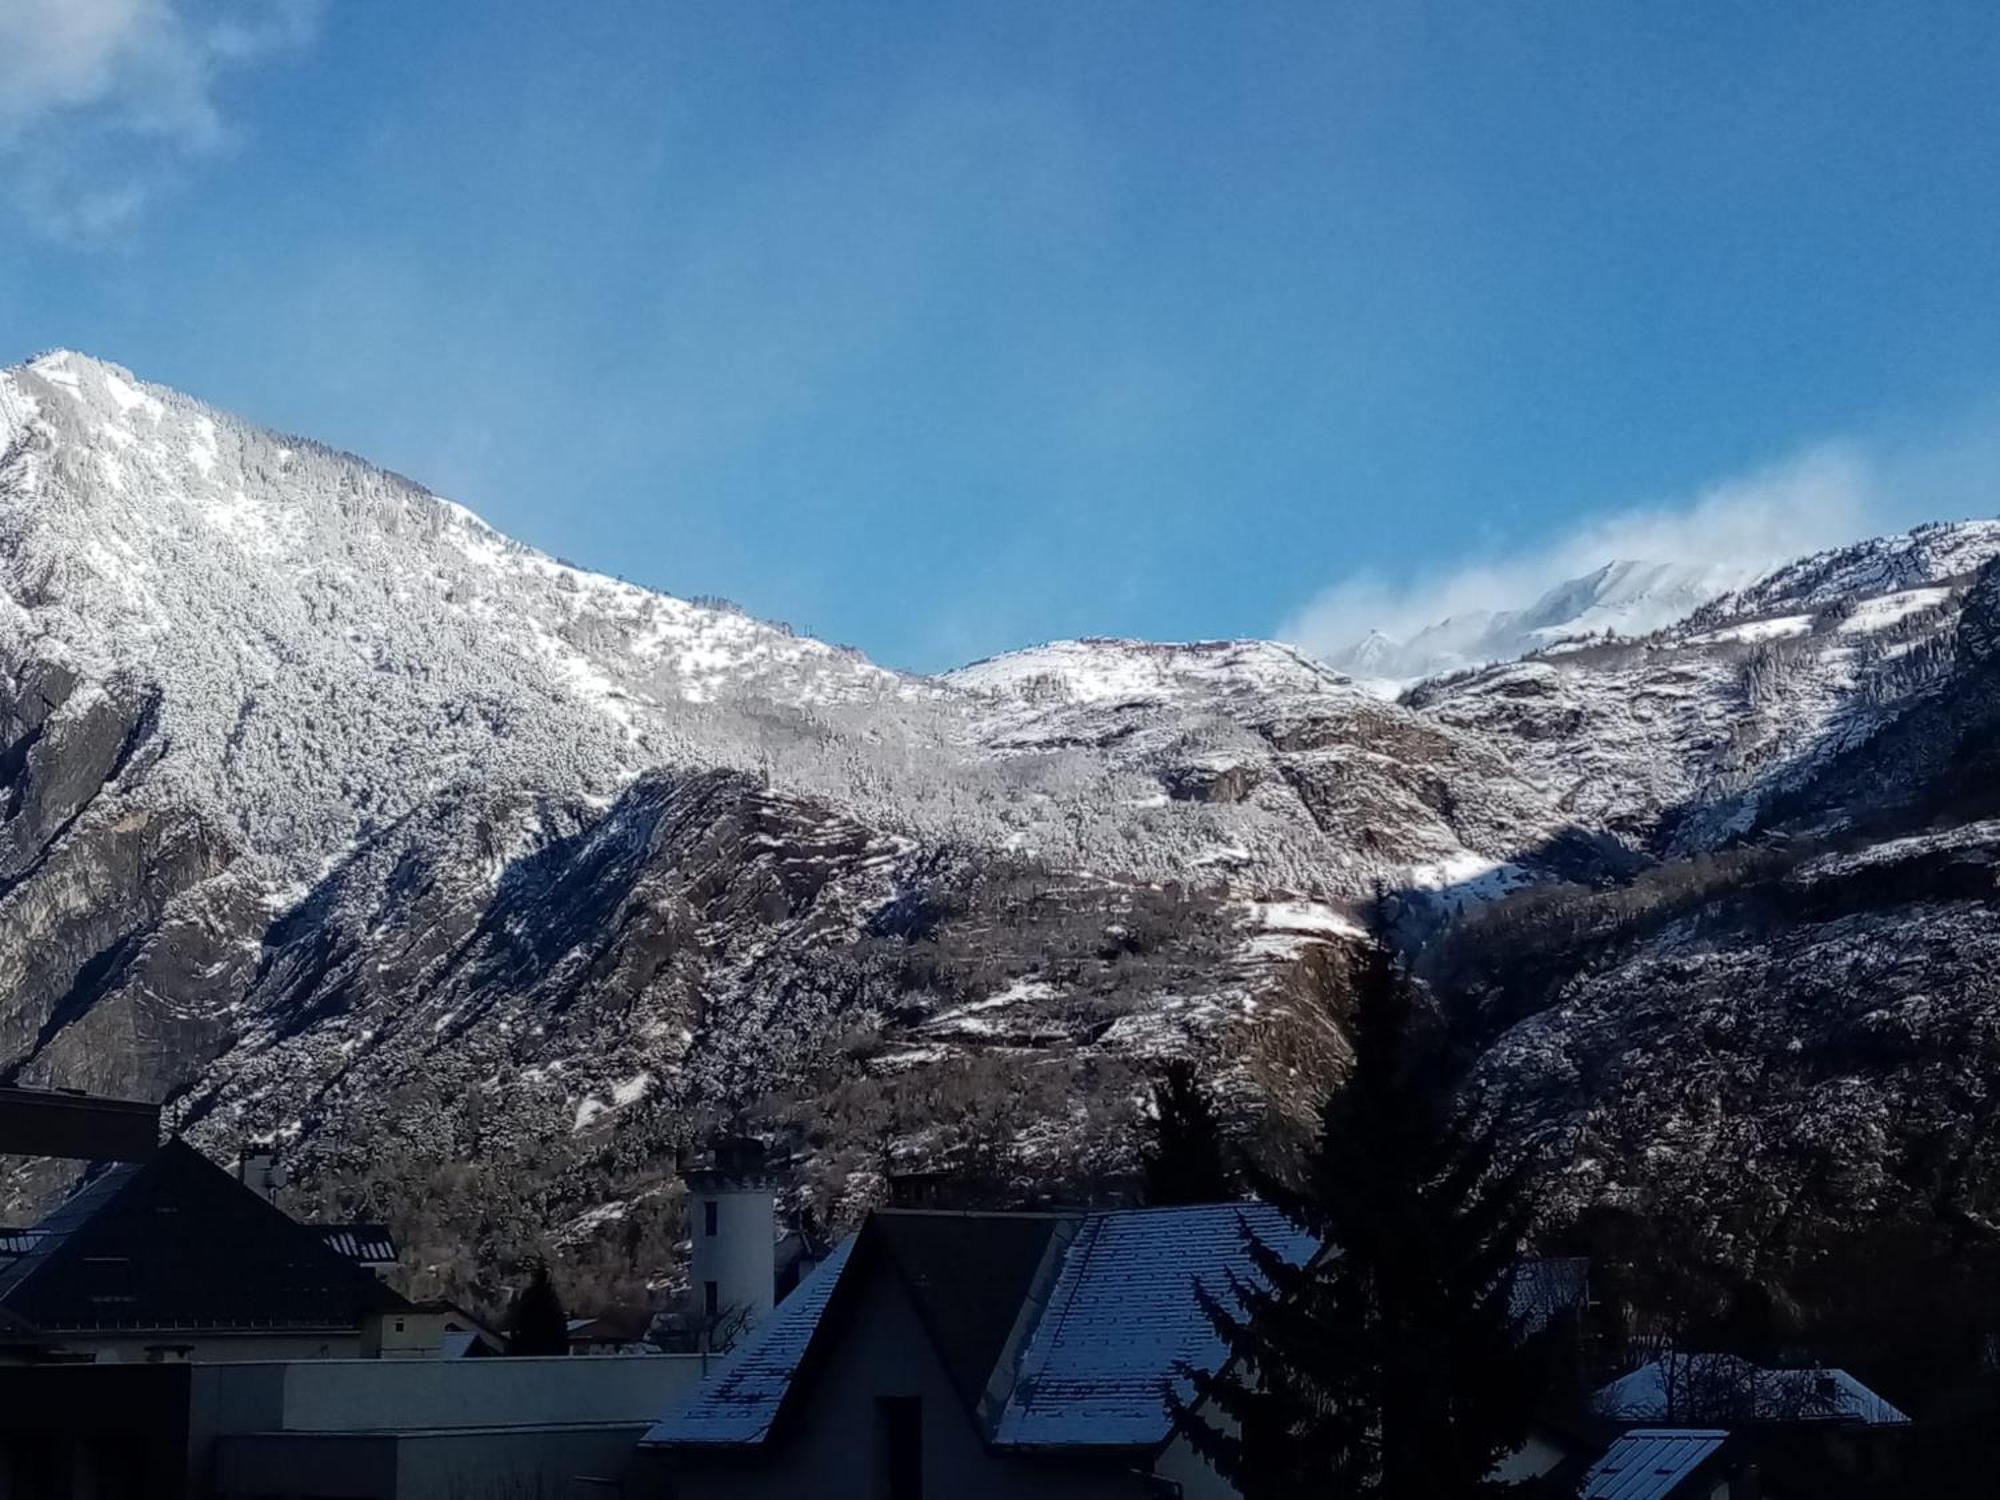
(972, 1356)
(172, 1259)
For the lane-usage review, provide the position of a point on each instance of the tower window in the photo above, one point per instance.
(708, 1218)
(711, 1300)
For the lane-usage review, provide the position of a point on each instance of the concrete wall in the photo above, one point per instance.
(369, 1395)
(500, 1464)
(830, 1454)
(463, 1429)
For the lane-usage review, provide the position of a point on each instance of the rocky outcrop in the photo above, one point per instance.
(479, 882)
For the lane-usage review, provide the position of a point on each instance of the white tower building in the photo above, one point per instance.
(732, 1213)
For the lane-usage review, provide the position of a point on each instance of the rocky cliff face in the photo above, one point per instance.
(481, 882)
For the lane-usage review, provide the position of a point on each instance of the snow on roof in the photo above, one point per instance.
(1729, 1385)
(368, 1244)
(1650, 1462)
(740, 1399)
(1123, 1315)
(1120, 1316)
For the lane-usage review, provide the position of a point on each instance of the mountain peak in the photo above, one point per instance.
(1624, 596)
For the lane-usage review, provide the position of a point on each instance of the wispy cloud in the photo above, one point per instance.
(1826, 495)
(103, 101)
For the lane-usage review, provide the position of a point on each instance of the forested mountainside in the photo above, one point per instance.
(481, 882)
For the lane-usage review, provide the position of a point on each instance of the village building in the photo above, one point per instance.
(173, 1258)
(973, 1355)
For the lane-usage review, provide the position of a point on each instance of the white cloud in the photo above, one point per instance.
(100, 100)
(1825, 496)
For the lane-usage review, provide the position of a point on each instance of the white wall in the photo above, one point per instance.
(740, 1257)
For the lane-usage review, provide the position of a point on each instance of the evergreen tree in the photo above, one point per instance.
(1390, 1365)
(1182, 1159)
(539, 1324)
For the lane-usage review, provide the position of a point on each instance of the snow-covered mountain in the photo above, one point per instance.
(331, 816)
(1621, 598)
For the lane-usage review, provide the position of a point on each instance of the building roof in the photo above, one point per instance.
(739, 1400)
(1123, 1318)
(366, 1244)
(1651, 1462)
(1727, 1387)
(1058, 1331)
(176, 1243)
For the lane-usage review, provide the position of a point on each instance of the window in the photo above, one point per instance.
(711, 1301)
(899, 1447)
(708, 1218)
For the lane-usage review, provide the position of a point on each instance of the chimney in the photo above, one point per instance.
(70, 1123)
(732, 1217)
(258, 1170)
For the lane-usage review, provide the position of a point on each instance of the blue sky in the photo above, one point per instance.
(940, 329)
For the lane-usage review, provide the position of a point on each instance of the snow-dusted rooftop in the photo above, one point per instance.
(1650, 1463)
(1123, 1317)
(740, 1399)
(1728, 1386)
(1113, 1324)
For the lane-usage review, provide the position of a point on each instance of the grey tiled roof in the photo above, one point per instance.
(1123, 1315)
(1650, 1463)
(739, 1400)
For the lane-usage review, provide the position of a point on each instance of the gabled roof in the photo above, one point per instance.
(969, 1275)
(1057, 1331)
(739, 1400)
(176, 1243)
(1123, 1316)
(1651, 1463)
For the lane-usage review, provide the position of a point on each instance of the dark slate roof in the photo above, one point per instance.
(969, 1275)
(1076, 1323)
(1651, 1463)
(175, 1243)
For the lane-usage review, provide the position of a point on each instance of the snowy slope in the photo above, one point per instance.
(332, 816)
(1621, 598)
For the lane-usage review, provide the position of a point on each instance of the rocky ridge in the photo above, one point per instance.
(334, 817)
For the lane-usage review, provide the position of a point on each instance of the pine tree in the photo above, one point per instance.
(1182, 1160)
(1388, 1366)
(539, 1324)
